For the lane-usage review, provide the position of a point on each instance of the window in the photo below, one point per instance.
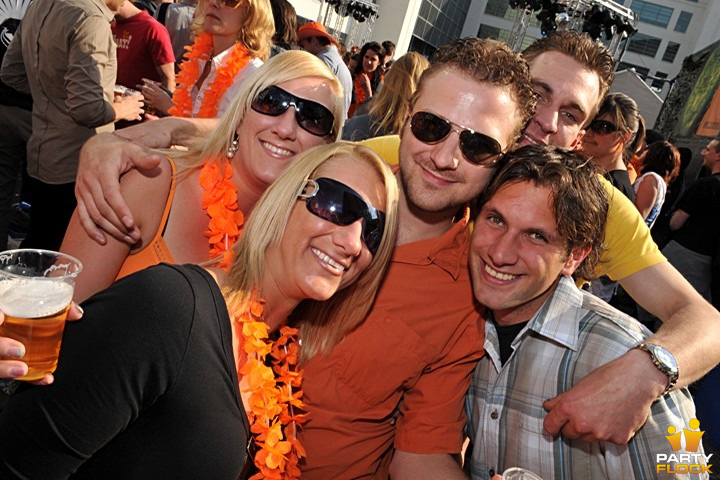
(642, 71)
(497, 8)
(659, 83)
(439, 22)
(683, 22)
(670, 52)
(644, 44)
(652, 13)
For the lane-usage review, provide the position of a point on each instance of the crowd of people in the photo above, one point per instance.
(261, 299)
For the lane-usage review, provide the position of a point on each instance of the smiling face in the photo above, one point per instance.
(568, 93)
(267, 144)
(315, 257)
(437, 178)
(516, 253)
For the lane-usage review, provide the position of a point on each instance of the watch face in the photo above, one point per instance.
(663, 357)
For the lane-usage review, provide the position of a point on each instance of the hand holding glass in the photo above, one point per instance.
(36, 288)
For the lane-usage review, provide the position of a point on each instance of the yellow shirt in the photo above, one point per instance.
(629, 247)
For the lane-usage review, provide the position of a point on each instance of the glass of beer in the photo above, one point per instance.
(36, 288)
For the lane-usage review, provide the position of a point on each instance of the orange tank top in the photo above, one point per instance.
(156, 251)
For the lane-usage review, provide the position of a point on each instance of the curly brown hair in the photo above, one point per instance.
(580, 202)
(581, 48)
(487, 61)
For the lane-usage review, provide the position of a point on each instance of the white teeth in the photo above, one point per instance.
(328, 260)
(530, 140)
(277, 150)
(498, 275)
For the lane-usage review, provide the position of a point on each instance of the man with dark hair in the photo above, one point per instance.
(389, 48)
(542, 220)
(315, 39)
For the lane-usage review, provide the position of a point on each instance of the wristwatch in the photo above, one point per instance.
(664, 361)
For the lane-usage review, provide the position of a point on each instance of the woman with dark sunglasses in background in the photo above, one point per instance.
(290, 104)
(611, 140)
(171, 374)
(232, 39)
(613, 137)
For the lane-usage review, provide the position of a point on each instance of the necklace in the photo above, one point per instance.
(189, 74)
(270, 370)
(219, 200)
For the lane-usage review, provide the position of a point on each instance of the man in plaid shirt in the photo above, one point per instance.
(542, 220)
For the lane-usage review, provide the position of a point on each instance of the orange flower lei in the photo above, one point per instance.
(219, 199)
(189, 74)
(272, 399)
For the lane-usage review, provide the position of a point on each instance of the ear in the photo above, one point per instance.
(576, 143)
(577, 255)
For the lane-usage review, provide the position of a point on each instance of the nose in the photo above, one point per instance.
(503, 251)
(446, 154)
(349, 238)
(547, 118)
(285, 125)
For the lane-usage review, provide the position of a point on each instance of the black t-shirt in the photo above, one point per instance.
(701, 231)
(146, 388)
(621, 180)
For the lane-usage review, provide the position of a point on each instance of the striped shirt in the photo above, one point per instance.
(571, 335)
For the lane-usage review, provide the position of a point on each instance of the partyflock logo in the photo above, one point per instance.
(689, 462)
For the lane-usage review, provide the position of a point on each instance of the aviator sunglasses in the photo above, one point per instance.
(602, 127)
(477, 148)
(311, 116)
(341, 205)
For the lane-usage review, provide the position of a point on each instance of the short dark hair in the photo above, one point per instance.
(580, 202)
(389, 47)
(487, 61)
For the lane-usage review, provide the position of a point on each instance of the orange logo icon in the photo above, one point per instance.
(692, 436)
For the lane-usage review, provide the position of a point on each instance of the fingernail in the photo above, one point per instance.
(17, 372)
(100, 239)
(16, 352)
(80, 309)
(128, 239)
(127, 222)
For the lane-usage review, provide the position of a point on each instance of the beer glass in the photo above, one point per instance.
(516, 473)
(36, 288)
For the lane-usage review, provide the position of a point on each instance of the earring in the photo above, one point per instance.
(233, 148)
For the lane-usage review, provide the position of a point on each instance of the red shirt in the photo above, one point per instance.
(398, 380)
(143, 44)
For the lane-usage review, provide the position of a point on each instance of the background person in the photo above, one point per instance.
(365, 83)
(389, 108)
(151, 336)
(285, 37)
(661, 164)
(197, 214)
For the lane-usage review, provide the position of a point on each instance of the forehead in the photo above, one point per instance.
(567, 80)
(525, 205)
(477, 105)
(311, 88)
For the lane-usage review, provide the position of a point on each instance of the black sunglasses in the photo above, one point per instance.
(341, 205)
(602, 127)
(478, 148)
(311, 116)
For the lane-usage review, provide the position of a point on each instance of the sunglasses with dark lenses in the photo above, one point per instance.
(341, 205)
(602, 127)
(311, 116)
(478, 148)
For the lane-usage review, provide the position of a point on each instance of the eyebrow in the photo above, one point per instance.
(549, 236)
(545, 86)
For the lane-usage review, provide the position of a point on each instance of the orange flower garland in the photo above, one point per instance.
(219, 199)
(272, 399)
(189, 74)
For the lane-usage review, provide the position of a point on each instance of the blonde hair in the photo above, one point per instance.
(284, 67)
(390, 105)
(256, 31)
(322, 324)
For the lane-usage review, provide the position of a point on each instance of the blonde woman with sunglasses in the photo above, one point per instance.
(290, 104)
(232, 39)
(157, 380)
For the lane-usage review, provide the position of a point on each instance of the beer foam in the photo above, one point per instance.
(34, 298)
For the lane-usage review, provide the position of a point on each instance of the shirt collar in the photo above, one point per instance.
(448, 251)
(559, 317)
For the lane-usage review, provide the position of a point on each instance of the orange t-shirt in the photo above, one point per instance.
(399, 379)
